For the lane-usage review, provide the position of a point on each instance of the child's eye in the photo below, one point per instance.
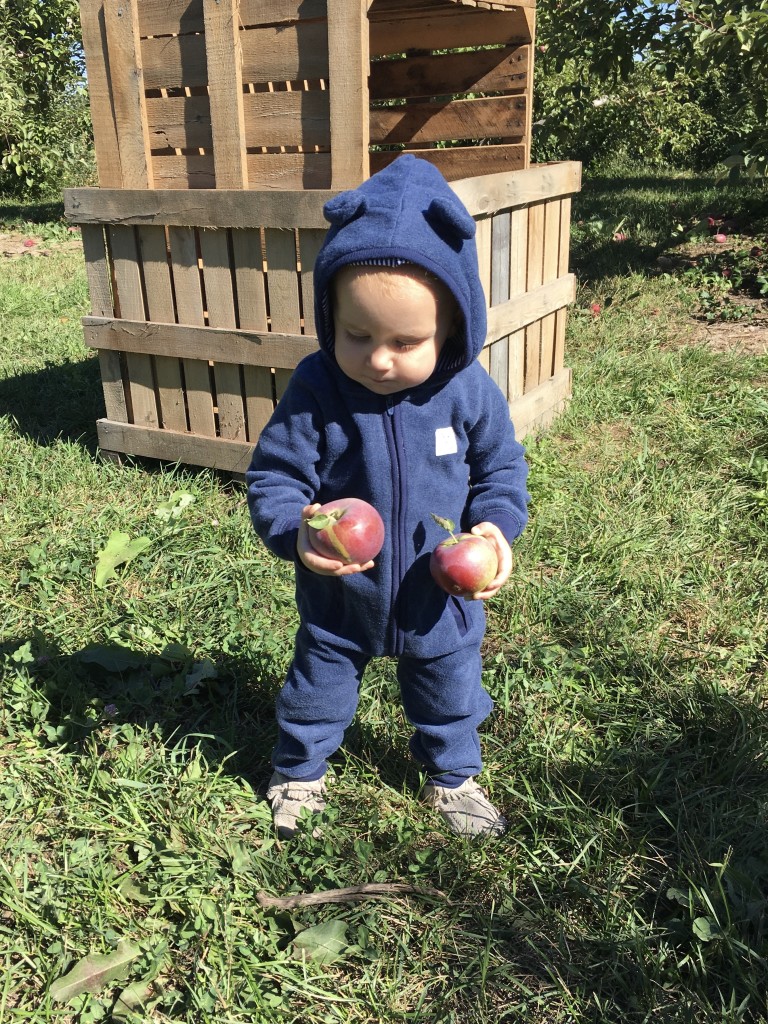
(357, 337)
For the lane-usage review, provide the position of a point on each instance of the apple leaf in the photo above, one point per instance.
(447, 524)
(322, 520)
(95, 971)
(706, 929)
(120, 549)
(322, 943)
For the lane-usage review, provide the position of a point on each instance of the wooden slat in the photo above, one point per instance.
(220, 299)
(445, 29)
(221, 208)
(534, 280)
(278, 171)
(562, 268)
(157, 284)
(289, 53)
(223, 57)
(269, 119)
(97, 269)
(194, 450)
(483, 244)
(249, 348)
(189, 306)
(460, 162)
(550, 272)
(497, 116)
(127, 77)
(518, 269)
(310, 242)
(166, 17)
(282, 281)
(113, 386)
(129, 302)
(348, 82)
(498, 70)
(499, 350)
(252, 316)
(530, 16)
(491, 192)
(536, 409)
(99, 93)
(527, 309)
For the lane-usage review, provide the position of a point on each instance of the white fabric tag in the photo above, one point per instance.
(445, 441)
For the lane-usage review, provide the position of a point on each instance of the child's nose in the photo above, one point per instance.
(379, 357)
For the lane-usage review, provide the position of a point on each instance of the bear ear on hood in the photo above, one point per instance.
(344, 207)
(450, 219)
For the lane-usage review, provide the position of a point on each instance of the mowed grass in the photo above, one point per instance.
(626, 659)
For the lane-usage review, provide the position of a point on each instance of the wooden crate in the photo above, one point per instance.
(202, 305)
(222, 126)
(291, 94)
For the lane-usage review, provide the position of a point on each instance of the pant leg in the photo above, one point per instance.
(315, 705)
(445, 702)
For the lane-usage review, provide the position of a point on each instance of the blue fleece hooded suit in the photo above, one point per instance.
(445, 446)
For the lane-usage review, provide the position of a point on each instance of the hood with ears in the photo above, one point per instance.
(406, 213)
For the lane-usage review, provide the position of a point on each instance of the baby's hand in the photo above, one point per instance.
(503, 553)
(316, 562)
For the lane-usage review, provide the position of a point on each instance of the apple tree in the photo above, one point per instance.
(44, 117)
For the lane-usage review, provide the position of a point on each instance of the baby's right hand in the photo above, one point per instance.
(316, 562)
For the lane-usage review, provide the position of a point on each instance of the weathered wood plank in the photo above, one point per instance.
(283, 53)
(310, 242)
(550, 272)
(167, 17)
(221, 208)
(534, 280)
(252, 316)
(526, 309)
(498, 70)
(192, 449)
(129, 302)
(282, 281)
(97, 269)
(348, 83)
(562, 268)
(491, 192)
(189, 306)
(249, 348)
(220, 299)
(444, 29)
(463, 161)
(127, 77)
(484, 259)
(159, 294)
(499, 350)
(225, 90)
(494, 117)
(99, 93)
(535, 410)
(518, 269)
(269, 119)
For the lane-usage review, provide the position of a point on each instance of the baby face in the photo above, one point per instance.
(390, 326)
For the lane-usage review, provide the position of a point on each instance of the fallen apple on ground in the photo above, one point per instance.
(347, 529)
(462, 564)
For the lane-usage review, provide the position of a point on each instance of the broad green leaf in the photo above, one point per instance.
(120, 549)
(113, 658)
(175, 505)
(95, 971)
(706, 929)
(323, 943)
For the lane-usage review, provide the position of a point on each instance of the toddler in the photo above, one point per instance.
(394, 409)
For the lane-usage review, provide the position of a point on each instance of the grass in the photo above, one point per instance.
(626, 659)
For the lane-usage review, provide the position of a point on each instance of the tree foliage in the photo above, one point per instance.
(712, 55)
(44, 118)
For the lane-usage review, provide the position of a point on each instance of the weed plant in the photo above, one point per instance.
(144, 633)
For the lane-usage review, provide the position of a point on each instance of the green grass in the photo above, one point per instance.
(626, 658)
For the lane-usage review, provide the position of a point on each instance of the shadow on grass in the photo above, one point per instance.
(61, 400)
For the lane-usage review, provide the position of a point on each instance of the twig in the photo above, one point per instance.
(355, 892)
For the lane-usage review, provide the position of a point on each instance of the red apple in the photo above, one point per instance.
(720, 238)
(462, 564)
(347, 529)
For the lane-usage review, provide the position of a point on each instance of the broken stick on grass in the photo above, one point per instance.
(367, 890)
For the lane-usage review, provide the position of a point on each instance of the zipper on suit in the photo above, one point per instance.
(394, 434)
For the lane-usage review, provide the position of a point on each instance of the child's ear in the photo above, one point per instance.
(344, 207)
(450, 219)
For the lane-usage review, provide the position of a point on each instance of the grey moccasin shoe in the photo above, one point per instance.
(289, 797)
(466, 809)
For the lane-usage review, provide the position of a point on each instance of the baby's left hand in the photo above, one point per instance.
(503, 553)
